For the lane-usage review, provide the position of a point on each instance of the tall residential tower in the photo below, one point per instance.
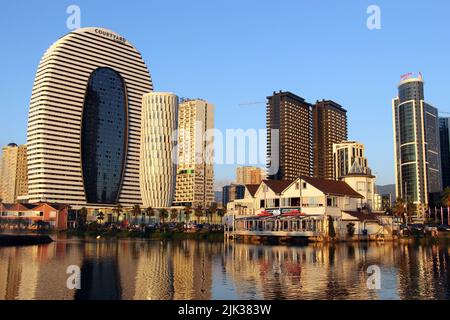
(416, 143)
(195, 170)
(289, 136)
(329, 127)
(13, 172)
(249, 175)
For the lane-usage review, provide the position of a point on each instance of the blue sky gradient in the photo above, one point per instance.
(233, 52)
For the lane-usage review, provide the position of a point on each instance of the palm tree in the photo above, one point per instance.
(150, 212)
(82, 218)
(198, 211)
(163, 214)
(100, 216)
(173, 214)
(136, 211)
(221, 213)
(143, 215)
(446, 197)
(399, 207)
(187, 212)
(118, 210)
(212, 210)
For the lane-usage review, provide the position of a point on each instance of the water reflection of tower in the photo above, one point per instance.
(53, 261)
(154, 275)
(22, 266)
(265, 272)
(312, 272)
(193, 270)
(421, 270)
(128, 257)
(10, 276)
(175, 270)
(100, 273)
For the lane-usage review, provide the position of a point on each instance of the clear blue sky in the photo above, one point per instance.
(232, 52)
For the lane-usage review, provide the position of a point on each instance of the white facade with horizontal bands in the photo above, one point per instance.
(56, 111)
(158, 142)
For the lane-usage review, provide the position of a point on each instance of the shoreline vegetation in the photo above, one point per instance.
(170, 231)
(20, 239)
(192, 231)
(155, 235)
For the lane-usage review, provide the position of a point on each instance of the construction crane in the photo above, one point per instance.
(252, 103)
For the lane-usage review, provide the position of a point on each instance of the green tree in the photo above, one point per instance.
(446, 197)
(163, 214)
(143, 215)
(136, 211)
(401, 207)
(350, 229)
(212, 211)
(198, 212)
(118, 210)
(82, 217)
(331, 230)
(150, 212)
(173, 214)
(222, 212)
(187, 212)
(100, 217)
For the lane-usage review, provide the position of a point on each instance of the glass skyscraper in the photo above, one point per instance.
(416, 142)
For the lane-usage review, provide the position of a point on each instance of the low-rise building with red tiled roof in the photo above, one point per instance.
(55, 214)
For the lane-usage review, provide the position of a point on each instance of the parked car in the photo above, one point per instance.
(416, 227)
(443, 227)
(430, 228)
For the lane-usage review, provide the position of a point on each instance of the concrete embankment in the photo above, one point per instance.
(23, 239)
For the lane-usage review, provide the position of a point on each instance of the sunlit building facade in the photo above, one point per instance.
(289, 136)
(13, 172)
(329, 127)
(84, 124)
(250, 175)
(416, 143)
(195, 169)
(349, 157)
(158, 143)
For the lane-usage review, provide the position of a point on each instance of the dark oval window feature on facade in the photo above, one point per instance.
(103, 136)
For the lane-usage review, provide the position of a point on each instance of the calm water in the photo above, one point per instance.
(138, 269)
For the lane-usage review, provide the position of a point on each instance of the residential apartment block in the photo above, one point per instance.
(329, 127)
(195, 169)
(13, 173)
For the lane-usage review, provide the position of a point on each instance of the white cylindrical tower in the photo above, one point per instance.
(158, 140)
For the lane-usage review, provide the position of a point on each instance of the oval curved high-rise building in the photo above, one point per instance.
(84, 122)
(158, 142)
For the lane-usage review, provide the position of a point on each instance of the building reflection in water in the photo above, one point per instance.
(139, 269)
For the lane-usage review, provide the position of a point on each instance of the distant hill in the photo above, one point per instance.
(390, 188)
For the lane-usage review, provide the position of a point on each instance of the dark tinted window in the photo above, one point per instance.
(104, 136)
